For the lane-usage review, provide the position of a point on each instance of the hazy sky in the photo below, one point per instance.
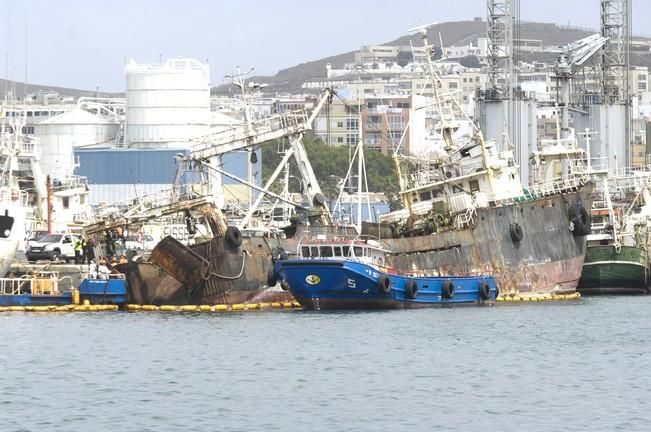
(84, 43)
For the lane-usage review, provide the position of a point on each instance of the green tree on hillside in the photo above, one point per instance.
(330, 165)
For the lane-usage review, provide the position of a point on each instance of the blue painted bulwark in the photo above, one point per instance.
(103, 291)
(27, 299)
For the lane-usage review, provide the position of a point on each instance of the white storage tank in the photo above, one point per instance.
(61, 134)
(167, 103)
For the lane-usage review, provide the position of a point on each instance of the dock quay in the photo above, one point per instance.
(70, 275)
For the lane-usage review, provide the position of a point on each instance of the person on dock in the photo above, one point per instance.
(89, 250)
(78, 246)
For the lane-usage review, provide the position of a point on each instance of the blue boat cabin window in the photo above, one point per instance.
(326, 251)
(337, 251)
(358, 251)
(305, 251)
(314, 251)
(346, 250)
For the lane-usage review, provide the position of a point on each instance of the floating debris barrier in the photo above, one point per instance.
(65, 308)
(531, 297)
(213, 308)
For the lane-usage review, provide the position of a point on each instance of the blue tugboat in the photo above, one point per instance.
(351, 274)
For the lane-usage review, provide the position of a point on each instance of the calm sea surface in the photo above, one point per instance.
(575, 366)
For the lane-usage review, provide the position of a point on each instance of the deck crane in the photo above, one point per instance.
(184, 198)
(291, 125)
(564, 148)
(572, 57)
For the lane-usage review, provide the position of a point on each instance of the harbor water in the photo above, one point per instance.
(577, 365)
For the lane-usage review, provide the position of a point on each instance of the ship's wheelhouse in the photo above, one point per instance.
(368, 252)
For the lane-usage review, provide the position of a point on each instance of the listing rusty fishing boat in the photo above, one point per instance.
(466, 212)
(218, 265)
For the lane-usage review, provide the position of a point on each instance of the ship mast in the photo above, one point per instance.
(448, 125)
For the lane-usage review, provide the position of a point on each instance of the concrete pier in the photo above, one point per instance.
(70, 275)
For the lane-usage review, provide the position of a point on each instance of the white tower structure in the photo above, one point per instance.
(167, 104)
(615, 26)
(504, 113)
(609, 119)
(61, 134)
(500, 48)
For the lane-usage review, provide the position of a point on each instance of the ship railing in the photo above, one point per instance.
(69, 182)
(465, 219)
(147, 202)
(8, 194)
(105, 276)
(45, 283)
(559, 185)
(598, 226)
(294, 120)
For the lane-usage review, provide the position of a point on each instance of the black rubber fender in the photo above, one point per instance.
(284, 285)
(233, 237)
(411, 289)
(515, 230)
(580, 223)
(484, 291)
(447, 289)
(383, 284)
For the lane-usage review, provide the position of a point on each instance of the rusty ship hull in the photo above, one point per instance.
(547, 259)
(209, 273)
(216, 272)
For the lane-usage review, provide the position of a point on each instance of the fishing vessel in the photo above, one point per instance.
(16, 213)
(54, 203)
(466, 212)
(339, 273)
(217, 264)
(617, 260)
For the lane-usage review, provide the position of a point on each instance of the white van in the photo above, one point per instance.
(53, 247)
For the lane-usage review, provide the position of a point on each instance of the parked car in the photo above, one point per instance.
(51, 246)
(33, 236)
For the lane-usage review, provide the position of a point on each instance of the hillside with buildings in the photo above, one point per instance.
(19, 89)
(384, 99)
(535, 39)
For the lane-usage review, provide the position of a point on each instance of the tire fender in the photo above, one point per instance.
(447, 289)
(383, 284)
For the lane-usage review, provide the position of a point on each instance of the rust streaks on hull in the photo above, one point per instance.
(547, 258)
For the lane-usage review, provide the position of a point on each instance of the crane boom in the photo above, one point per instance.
(257, 132)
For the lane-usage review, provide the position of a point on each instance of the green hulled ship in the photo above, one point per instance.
(608, 269)
(616, 258)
